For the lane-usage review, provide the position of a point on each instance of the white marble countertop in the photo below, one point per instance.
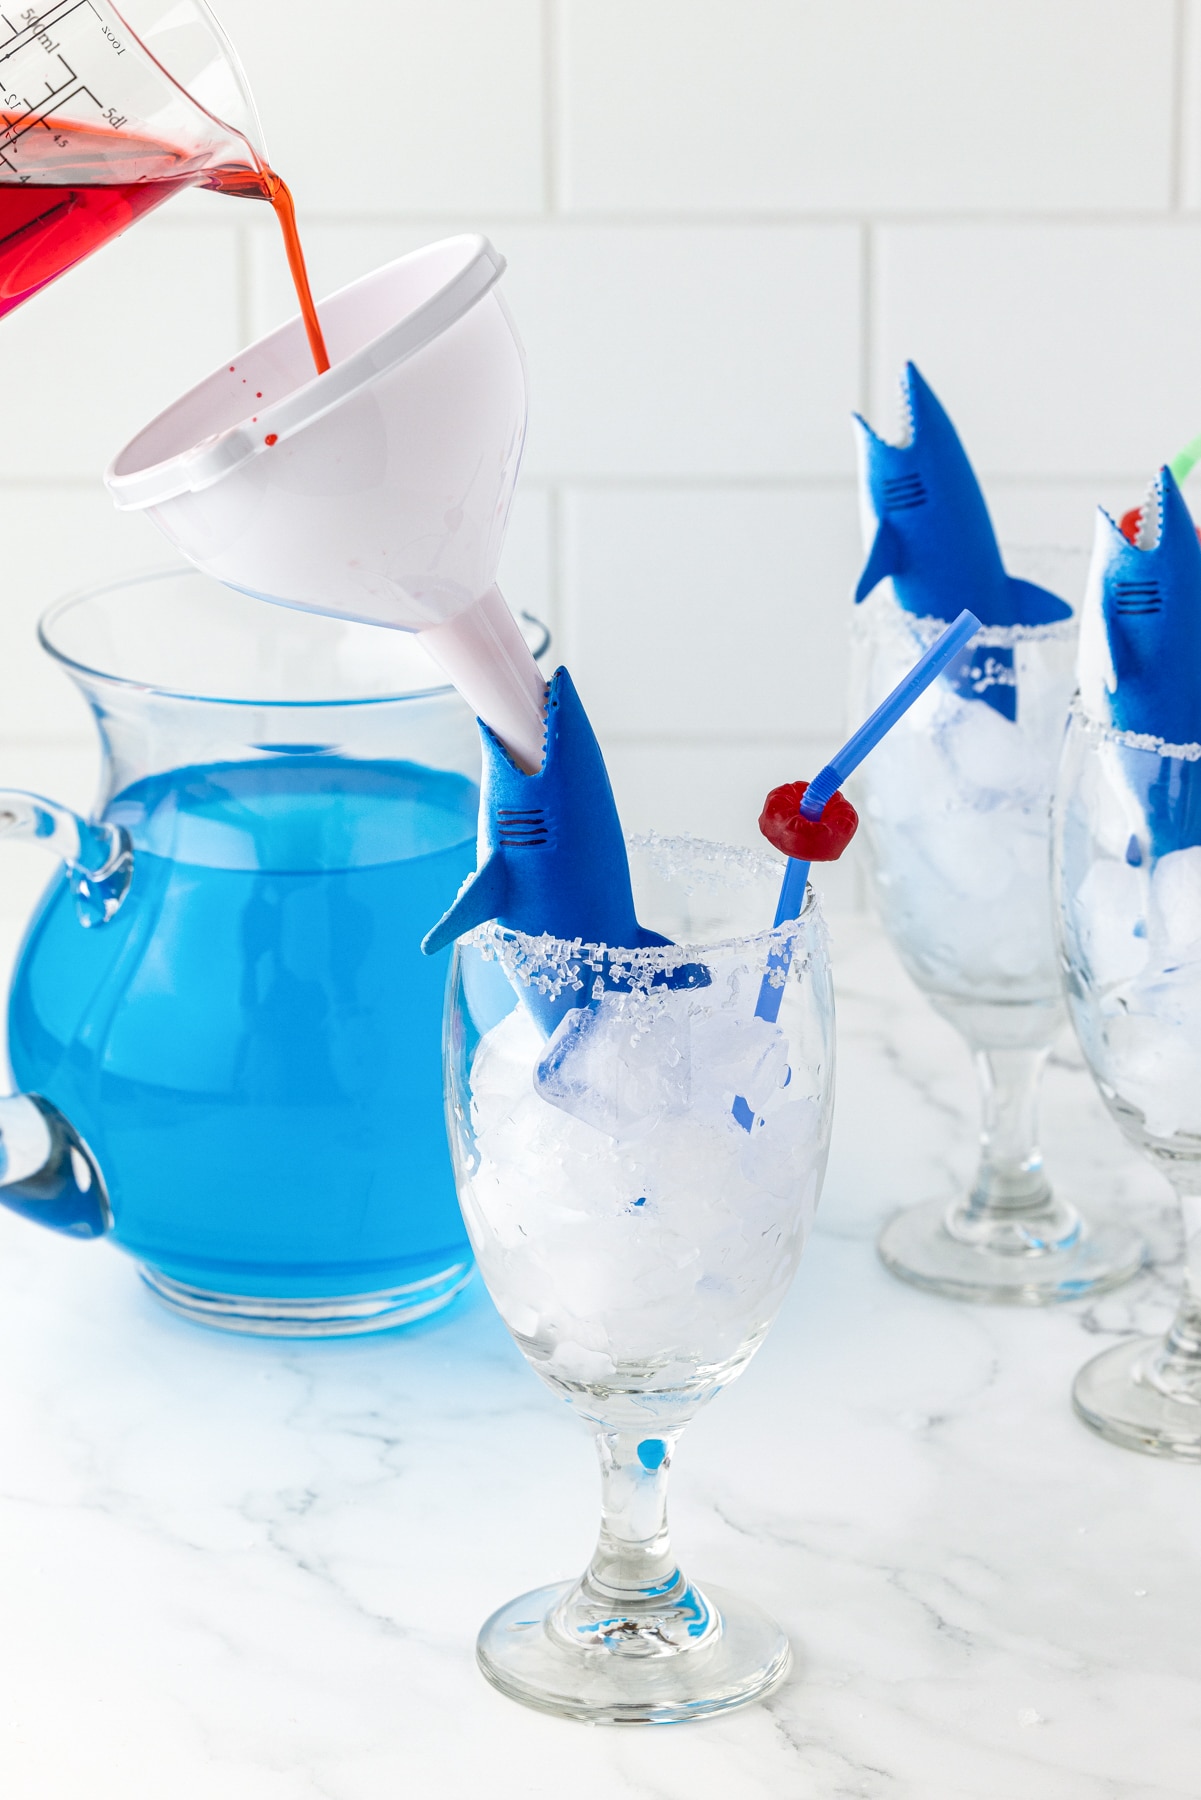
(237, 1571)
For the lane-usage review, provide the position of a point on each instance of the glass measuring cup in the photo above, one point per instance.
(223, 991)
(105, 113)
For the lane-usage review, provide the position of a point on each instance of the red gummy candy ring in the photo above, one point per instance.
(808, 840)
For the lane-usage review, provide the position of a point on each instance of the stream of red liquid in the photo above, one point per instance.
(46, 228)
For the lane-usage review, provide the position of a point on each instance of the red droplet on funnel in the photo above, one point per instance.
(272, 437)
(809, 840)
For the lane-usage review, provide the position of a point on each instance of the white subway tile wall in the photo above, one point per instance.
(727, 224)
(912, 106)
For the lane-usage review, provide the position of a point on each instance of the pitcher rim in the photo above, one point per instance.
(539, 632)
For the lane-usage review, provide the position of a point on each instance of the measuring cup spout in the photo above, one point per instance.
(148, 93)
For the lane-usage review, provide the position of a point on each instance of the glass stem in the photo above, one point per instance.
(1184, 1335)
(633, 1561)
(1010, 1177)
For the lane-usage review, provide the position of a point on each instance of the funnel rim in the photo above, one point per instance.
(207, 462)
(535, 630)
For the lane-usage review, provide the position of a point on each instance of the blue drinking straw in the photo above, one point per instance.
(824, 785)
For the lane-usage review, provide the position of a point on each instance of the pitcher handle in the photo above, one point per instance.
(47, 1172)
(98, 858)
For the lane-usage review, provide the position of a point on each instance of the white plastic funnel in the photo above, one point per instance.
(378, 491)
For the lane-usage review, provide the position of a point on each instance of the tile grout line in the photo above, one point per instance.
(1179, 129)
(554, 552)
(550, 108)
(560, 483)
(750, 219)
(245, 261)
(867, 319)
(560, 584)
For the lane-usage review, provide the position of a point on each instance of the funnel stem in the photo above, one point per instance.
(490, 663)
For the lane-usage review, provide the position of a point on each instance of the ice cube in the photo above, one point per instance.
(971, 853)
(580, 1367)
(736, 1056)
(990, 753)
(1152, 1054)
(663, 1252)
(1109, 914)
(967, 896)
(779, 1144)
(1174, 917)
(621, 1063)
(906, 780)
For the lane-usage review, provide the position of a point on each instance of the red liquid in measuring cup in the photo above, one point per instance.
(46, 230)
(48, 227)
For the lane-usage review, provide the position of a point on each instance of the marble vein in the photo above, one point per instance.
(237, 1571)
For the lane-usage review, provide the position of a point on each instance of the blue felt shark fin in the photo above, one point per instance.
(650, 940)
(1033, 605)
(480, 898)
(884, 558)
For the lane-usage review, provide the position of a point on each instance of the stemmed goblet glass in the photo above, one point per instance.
(956, 819)
(1128, 891)
(638, 1240)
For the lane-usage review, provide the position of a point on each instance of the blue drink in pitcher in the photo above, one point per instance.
(249, 1046)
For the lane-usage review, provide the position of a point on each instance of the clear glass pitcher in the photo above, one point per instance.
(225, 1033)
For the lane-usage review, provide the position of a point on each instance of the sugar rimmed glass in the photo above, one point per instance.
(956, 820)
(638, 1242)
(1128, 892)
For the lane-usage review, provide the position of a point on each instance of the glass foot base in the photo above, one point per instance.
(1128, 1395)
(624, 1680)
(917, 1247)
(330, 1315)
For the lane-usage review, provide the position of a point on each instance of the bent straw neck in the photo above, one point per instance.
(861, 743)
